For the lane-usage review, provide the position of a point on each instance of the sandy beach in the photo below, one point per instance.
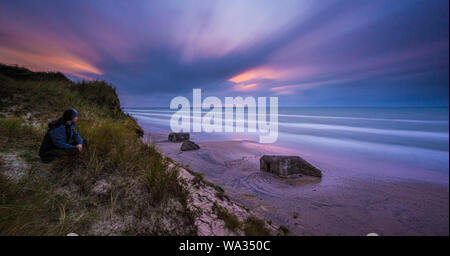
(341, 203)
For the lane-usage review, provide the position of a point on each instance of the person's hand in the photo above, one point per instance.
(80, 147)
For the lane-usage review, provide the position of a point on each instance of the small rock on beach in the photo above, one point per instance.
(189, 145)
(178, 136)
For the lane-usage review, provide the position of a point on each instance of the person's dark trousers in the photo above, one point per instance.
(55, 153)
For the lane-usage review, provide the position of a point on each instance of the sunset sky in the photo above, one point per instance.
(309, 53)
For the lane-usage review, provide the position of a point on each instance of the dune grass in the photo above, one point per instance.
(231, 221)
(255, 227)
(252, 226)
(31, 207)
(35, 205)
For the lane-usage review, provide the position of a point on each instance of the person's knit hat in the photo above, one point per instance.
(69, 114)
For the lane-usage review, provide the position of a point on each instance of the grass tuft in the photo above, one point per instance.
(232, 222)
(255, 227)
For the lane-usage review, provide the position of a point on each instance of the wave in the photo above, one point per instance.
(324, 127)
(319, 117)
(394, 132)
(408, 152)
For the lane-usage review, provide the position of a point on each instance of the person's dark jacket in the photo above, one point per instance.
(60, 135)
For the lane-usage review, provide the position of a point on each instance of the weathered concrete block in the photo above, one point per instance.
(288, 165)
(178, 136)
(189, 145)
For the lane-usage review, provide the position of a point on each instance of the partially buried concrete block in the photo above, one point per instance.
(178, 136)
(288, 165)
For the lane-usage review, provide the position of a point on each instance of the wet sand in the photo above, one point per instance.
(343, 202)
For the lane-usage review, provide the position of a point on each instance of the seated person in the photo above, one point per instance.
(61, 138)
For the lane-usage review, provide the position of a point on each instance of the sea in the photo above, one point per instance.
(411, 143)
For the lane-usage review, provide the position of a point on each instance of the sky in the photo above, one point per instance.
(379, 53)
